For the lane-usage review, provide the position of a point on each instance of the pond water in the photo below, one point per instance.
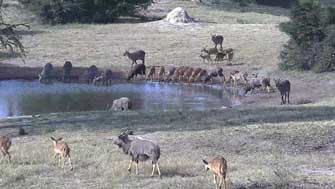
(30, 98)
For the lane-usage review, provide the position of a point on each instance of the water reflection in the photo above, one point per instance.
(29, 98)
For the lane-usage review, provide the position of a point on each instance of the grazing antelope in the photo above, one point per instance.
(218, 166)
(63, 150)
(194, 74)
(161, 73)
(238, 76)
(134, 56)
(210, 51)
(217, 39)
(205, 57)
(170, 73)
(5, 143)
(151, 74)
(188, 74)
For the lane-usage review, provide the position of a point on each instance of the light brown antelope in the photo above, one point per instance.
(63, 150)
(5, 143)
(188, 74)
(194, 74)
(218, 166)
(237, 76)
(161, 73)
(201, 75)
(151, 74)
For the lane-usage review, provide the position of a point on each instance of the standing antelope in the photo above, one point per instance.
(161, 73)
(217, 39)
(218, 166)
(151, 74)
(210, 51)
(5, 143)
(63, 150)
(134, 56)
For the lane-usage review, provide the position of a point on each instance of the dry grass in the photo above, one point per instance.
(270, 147)
(282, 148)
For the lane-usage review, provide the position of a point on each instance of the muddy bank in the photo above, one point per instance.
(11, 72)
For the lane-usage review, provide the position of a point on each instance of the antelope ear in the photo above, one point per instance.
(205, 162)
(59, 139)
(52, 138)
(130, 132)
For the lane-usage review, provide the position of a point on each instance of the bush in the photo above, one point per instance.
(312, 38)
(89, 11)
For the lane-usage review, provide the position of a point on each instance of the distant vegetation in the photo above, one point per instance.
(312, 37)
(84, 11)
(9, 39)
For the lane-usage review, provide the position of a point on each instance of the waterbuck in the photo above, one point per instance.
(105, 78)
(46, 75)
(218, 40)
(134, 56)
(67, 67)
(139, 69)
(284, 86)
(91, 73)
(139, 150)
(218, 166)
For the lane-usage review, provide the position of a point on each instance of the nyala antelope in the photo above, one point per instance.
(218, 166)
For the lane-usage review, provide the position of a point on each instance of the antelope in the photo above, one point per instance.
(5, 143)
(210, 51)
(161, 73)
(194, 74)
(134, 56)
(170, 73)
(139, 150)
(205, 57)
(63, 150)
(284, 87)
(151, 73)
(217, 39)
(67, 67)
(238, 76)
(188, 74)
(218, 166)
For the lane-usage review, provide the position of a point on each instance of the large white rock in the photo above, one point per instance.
(178, 15)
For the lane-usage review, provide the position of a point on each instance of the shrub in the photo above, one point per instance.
(311, 35)
(89, 11)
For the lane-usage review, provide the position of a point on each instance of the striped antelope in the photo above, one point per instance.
(63, 150)
(218, 166)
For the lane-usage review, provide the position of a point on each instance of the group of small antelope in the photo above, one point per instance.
(220, 54)
(139, 149)
(60, 148)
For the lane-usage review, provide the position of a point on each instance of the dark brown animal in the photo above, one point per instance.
(138, 69)
(218, 40)
(134, 56)
(91, 73)
(194, 74)
(67, 67)
(284, 87)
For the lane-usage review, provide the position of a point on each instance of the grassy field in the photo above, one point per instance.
(266, 146)
(289, 147)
